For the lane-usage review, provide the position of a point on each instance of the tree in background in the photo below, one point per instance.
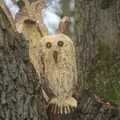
(97, 44)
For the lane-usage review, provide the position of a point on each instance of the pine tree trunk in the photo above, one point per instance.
(20, 92)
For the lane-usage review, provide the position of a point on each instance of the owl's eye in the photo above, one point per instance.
(48, 45)
(60, 43)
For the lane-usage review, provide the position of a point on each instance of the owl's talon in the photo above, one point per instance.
(56, 109)
(65, 110)
(61, 110)
(53, 110)
(68, 109)
(53, 107)
(71, 109)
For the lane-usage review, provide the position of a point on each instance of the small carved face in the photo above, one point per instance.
(57, 47)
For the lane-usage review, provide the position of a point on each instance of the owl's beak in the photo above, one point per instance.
(55, 56)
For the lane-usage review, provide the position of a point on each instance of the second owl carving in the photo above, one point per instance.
(56, 63)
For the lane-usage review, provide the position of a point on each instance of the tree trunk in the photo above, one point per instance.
(98, 46)
(20, 91)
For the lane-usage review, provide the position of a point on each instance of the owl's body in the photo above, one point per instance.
(57, 64)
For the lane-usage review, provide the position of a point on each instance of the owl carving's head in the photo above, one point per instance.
(55, 46)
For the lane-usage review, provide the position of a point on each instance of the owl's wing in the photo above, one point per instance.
(71, 63)
(40, 66)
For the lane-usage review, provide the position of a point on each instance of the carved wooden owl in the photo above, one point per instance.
(56, 63)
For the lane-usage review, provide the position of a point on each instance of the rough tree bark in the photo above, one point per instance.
(20, 96)
(98, 46)
(20, 92)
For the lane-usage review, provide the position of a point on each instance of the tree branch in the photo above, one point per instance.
(8, 14)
